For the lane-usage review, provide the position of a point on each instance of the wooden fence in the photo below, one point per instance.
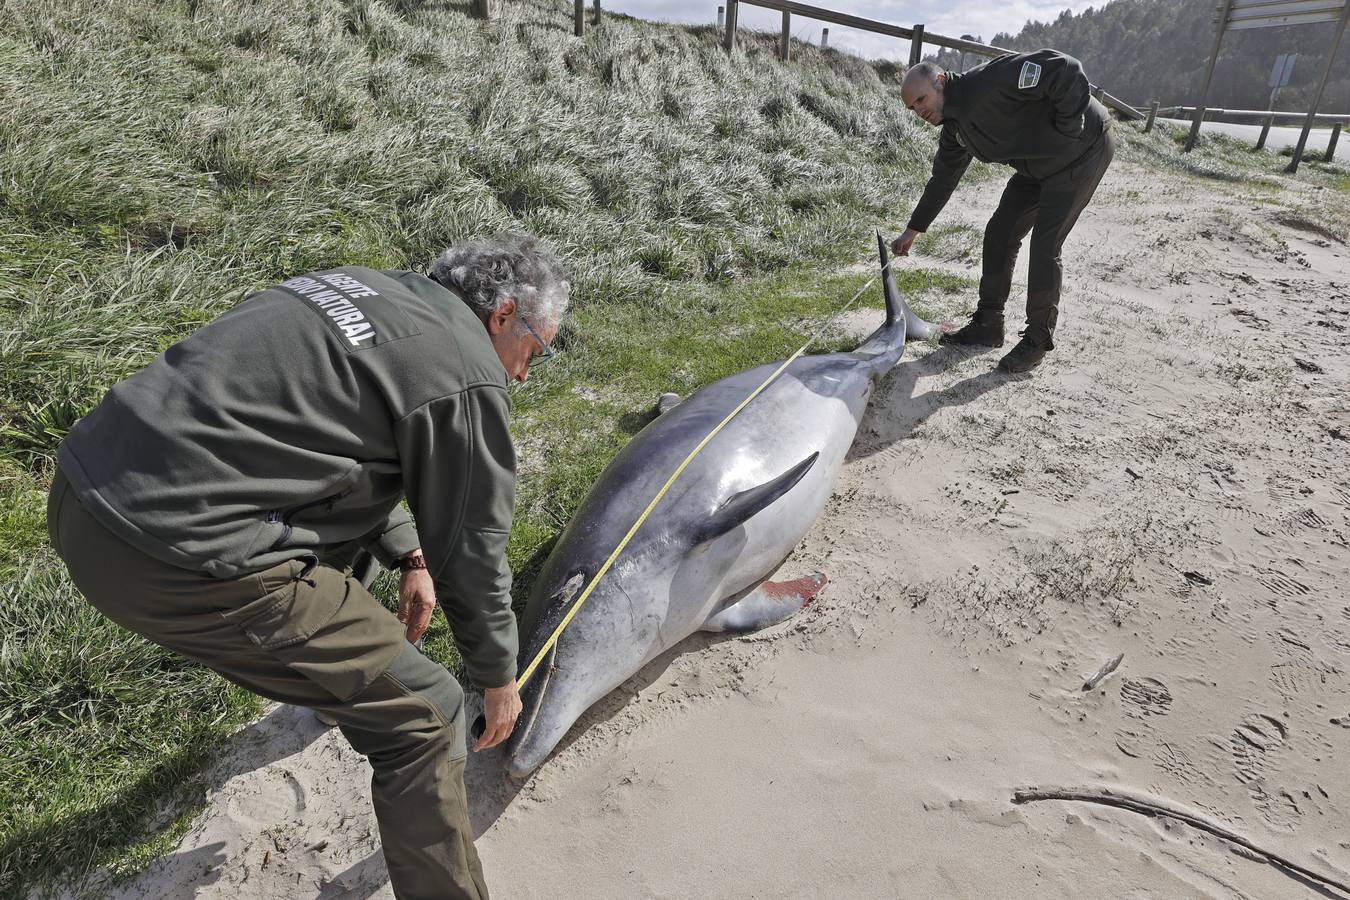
(916, 35)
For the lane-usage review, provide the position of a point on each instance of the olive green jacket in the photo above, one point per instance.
(297, 421)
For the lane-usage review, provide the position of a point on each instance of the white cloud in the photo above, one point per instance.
(984, 18)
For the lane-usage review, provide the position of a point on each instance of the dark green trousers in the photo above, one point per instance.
(1048, 209)
(312, 636)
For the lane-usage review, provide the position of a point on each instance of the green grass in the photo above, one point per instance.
(160, 159)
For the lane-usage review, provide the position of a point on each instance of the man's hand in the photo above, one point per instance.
(900, 246)
(501, 707)
(416, 597)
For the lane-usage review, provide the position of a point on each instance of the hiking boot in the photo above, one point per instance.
(985, 329)
(1027, 355)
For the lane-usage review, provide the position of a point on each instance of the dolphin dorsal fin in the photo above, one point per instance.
(740, 508)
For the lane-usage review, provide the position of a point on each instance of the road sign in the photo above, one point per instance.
(1280, 72)
(1270, 13)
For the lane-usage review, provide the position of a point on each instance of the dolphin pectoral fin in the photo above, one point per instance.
(666, 402)
(768, 604)
(740, 508)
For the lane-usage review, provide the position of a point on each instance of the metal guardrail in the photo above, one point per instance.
(1252, 116)
(1264, 118)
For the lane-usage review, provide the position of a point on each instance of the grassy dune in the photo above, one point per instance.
(160, 160)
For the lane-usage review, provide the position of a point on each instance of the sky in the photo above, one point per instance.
(983, 18)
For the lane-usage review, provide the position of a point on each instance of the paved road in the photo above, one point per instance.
(1279, 137)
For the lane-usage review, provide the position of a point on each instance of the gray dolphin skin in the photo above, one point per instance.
(731, 518)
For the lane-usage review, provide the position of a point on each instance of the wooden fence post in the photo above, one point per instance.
(824, 38)
(482, 9)
(1331, 142)
(579, 17)
(1265, 131)
(916, 46)
(787, 34)
(1152, 114)
(721, 16)
(730, 40)
(595, 20)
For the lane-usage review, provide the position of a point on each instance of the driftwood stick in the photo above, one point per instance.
(1157, 806)
(1107, 668)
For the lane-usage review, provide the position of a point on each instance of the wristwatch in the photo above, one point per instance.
(408, 563)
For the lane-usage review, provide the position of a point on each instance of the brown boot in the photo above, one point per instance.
(985, 329)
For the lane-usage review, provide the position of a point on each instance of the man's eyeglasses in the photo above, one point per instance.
(540, 358)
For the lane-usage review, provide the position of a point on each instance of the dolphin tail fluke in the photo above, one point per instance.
(768, 604)
(896, 307)
(740, 508)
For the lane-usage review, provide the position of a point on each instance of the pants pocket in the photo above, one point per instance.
(326, 627)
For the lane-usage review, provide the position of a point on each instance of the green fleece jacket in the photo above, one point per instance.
(297, 421)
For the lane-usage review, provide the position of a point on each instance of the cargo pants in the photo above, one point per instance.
(310, 635)
(1048, 209)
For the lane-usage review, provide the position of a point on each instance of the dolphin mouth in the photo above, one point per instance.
(532, 702)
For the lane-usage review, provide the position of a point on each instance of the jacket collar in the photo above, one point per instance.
(953, 97)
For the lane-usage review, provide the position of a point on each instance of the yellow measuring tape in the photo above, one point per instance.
(576, 607)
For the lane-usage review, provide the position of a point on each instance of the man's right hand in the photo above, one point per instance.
(501, 708)
(900, 246)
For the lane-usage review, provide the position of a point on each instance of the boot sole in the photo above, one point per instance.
(947, 340)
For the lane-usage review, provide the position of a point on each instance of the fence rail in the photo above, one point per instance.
(917, 36)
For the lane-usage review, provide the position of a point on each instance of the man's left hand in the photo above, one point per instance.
(416, 600)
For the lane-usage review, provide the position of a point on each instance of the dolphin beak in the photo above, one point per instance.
(532, 702)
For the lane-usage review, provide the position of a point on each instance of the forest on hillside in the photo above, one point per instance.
(1145, 49)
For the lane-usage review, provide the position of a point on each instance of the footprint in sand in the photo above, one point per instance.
(1256, 743)
(1145, 697)
(1281, 584)
(1281, 487)
(1309, 518)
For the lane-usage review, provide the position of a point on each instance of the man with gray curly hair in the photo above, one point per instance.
(221, 502)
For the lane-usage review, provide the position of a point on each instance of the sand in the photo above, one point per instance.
(1172, 485)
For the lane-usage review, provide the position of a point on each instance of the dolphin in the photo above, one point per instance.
(731, 518)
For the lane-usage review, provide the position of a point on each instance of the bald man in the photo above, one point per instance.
(1034, 112)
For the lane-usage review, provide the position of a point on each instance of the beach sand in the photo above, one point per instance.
(1173, 485)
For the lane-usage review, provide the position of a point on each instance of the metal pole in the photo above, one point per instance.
(1265, 132)
(1321, 85)
(1152, 114)
(1331, 142)
(916, 46)
(721, 16)
(824, 38)
(787, 33)
(579, 17)
(1209, 74)
(730, 40)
